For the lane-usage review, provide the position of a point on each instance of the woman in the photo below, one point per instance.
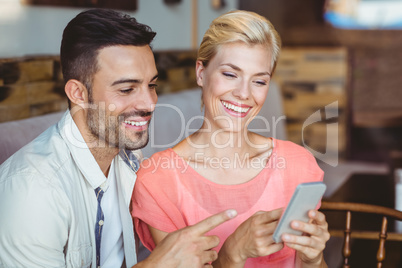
(223, 165)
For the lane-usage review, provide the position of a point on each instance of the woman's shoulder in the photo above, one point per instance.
(297, 158)
(159, 154)
(291, 149)
(159, 163)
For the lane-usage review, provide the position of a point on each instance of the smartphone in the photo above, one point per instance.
(306, 197)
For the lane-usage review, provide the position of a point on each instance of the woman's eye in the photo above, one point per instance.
(261, 83)
(231, 75)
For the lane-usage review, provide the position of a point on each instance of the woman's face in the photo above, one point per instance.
(235, 84)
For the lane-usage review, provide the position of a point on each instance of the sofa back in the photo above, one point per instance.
(15, 134)
(176, 116)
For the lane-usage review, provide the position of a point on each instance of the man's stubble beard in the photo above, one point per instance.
(109, 131)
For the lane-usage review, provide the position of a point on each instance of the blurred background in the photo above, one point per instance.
(340, 59)
(343, 51)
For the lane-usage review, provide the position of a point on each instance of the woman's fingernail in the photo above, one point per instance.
(231, 213)
(286, 237)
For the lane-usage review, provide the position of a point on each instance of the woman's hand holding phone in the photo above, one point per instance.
(300, 217)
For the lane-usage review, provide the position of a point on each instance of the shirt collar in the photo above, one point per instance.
(131, 159)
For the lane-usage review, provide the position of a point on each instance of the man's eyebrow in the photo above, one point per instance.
(155, 77)
(123, 81)
(131, 81)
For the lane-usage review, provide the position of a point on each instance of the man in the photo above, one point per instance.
(64, 198)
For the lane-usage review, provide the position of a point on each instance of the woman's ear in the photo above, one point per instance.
(199, 72)
(76, 92)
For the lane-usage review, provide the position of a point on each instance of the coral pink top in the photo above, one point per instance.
(169, 195)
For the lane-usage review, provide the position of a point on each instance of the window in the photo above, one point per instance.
(364, 14)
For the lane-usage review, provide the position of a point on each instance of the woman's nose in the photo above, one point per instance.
(242, 91)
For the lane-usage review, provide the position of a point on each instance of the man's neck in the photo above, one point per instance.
(104, 157)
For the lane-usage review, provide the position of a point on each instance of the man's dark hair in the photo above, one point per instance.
(91, 31)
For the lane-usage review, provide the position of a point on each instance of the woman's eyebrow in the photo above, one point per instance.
(237, 68)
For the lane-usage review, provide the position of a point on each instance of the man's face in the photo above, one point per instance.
(123, 96)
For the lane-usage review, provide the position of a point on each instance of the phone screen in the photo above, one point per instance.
(306, 197)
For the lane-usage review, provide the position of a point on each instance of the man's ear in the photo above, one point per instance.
(76, 92)
(199, 71)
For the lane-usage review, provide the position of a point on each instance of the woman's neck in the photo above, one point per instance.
(227, 144)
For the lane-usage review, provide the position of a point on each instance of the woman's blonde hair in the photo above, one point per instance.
(239, 26)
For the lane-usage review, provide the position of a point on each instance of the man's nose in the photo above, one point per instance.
(145, 100)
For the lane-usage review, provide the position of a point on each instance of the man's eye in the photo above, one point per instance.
(126, 90)
(153, 86)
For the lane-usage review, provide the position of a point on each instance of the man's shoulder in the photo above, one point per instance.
(41, 158)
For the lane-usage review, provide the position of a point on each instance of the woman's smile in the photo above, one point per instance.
(235, 109)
